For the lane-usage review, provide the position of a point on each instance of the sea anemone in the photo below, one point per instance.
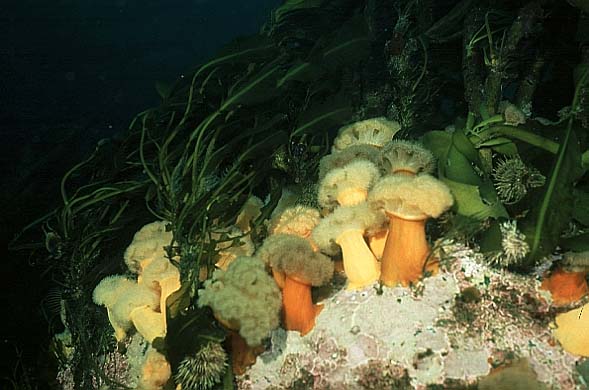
(247, 301)
(301, 267)
(156, 371)
(376, 236)
(246, 296)
(150, 323)
(202, 370)
(374, 131)
(297, 220)
(576, 261)
(148, 243)
(141, 303)
(566, 287)
(251, 210)
(122, 297)
(406, 157)
(346, 156)
(408, 201)
(573, 331)
(163, 277)
(346, 227)
(110, 289)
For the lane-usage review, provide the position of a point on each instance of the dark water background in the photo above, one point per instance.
(73, 72)
(94, 63)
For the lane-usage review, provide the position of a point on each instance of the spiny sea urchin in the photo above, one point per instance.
(513, 179)
(202, 370)
(513, 243)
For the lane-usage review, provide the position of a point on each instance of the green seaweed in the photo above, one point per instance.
(474, 194)
(546, 222)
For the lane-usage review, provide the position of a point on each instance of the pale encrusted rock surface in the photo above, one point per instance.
(372, 338)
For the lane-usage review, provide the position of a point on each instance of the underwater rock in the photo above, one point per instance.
(411, 338)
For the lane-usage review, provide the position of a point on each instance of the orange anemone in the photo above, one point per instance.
(566, 287)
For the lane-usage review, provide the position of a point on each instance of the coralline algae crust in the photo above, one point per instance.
(395, 330)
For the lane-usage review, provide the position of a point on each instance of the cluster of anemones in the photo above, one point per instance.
(139, 303)
(377, 194)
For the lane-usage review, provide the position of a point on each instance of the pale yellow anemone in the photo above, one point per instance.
(573, 330)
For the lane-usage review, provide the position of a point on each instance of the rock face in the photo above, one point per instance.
(408, 338)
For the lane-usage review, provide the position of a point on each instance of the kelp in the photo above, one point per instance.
(552, 214)
(296, 25)
(448, 27)
(347, 45)
(551, 208)
(469, 154)
(460, 167)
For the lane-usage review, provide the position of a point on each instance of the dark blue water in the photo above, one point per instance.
(95, 63)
